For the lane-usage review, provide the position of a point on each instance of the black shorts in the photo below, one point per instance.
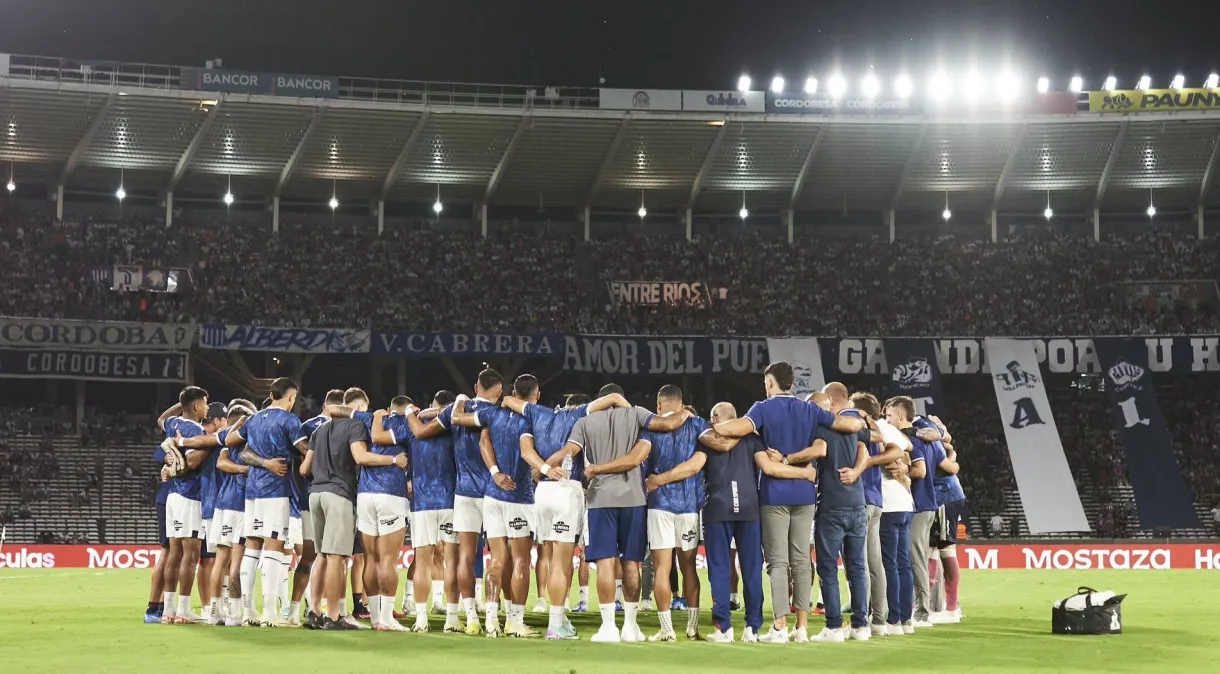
(358, 546)
(161, 535)
(954, 513)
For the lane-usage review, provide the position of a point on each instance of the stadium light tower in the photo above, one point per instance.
(811, 85)
(120, 193)
(1077, 84)
(1110, 84)
(871, 86)
(946, 214)
(743, 83)
(777, 85)
(1212, 82)
(1048, 212)
(837, 86)
(1144, 83)
(1178, 82)
(1151, 206)
(1044, 85)
(228, 199)
(902, 86)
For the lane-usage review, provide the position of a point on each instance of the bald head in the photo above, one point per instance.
(820, 399)
(723, 412)
(838, 395)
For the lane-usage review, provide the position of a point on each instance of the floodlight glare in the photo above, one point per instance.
(902, 87)
(1006, 86)
(1151, 211)
(1212, 82)
(1077, 84)
(974, 87)
(1178, 82)
(811, 85)
(946, 214)
(743, 83)
(744, 213)
(643, 212)
(837, 86)
(228, 199)
(10, 186)
(333, 203)
(438, 207)
(121, 193)
(1048, 212)
(938, 87)
(1144, 83)
(1044, 85)
(777, 85)
(870, 86)
(1110, 84)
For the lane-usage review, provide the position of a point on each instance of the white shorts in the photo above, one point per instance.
(296, 533)
(227, 528)
(507, 520)
(559, 511)
(182, 517)
(429, 527)
(381, 514)
(205, 534)
(668, 530)
(467, 515)
(267, 518)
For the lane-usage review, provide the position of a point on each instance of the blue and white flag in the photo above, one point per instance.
(915, 373)
(805, 357)
(284, 340)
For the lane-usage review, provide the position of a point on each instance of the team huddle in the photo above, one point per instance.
(631, 491)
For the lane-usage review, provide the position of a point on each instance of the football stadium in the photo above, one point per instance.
(843, 367)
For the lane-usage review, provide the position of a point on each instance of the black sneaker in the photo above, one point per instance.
(361, 612)
(311, 621)
(734, 606)
(338, 626)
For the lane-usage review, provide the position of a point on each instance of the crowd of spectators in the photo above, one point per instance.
(531, 279)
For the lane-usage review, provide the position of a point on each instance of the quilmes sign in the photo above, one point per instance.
(823, 104)
(272, 84)
(724, 101)
(1154, 100)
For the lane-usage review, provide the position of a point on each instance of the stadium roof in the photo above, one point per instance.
(505, 146)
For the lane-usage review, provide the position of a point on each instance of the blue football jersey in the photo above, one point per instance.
(231, 487)
(472, 475)
(391, 479)
(271, 434)
(923, 490)
(948, 488)
(208, 483)
(433, 470)
(551, 428)
(506, 429)
(189, 483)
(299, 485)
(669, 450)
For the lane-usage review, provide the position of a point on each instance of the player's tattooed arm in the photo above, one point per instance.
(277, 466)
(717, 442)
(226, 464)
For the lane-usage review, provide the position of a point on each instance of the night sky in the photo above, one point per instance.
(631, 43)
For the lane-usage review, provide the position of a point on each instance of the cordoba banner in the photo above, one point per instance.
(1048, 491)
(50, 333)
(1160, 492)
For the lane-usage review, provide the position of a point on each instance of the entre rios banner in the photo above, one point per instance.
(659, 293)
(797, 103)
(272, 84)
(1154, 100)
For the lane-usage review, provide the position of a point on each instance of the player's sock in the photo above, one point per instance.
(214, 609)
(666, 619)
(170, 599)
(224, 586)
(285, 572)
(618, 590)
(692, 620)
(249, 562)
(235, 606)
(478, 590)
(421, 612)
(408, 596)
(556, 619)
(294, 608)
(472, 616)
(630, 609)
(584, 593)
(953, 579)
(516, 614)
(438, 592)
(270, 571)
(451, 615)
(375, 608)
(607, 611)
(184, 604)
(493, 612)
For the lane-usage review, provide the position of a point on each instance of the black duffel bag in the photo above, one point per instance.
(1104, 618)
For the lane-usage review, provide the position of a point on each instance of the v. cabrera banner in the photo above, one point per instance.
(284, 340)
(462, 344)
(1154, 100)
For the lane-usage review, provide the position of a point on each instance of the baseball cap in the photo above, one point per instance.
(216, 411)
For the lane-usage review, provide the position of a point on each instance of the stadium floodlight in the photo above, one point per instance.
(333, 203)
(1144, 83)
(12, 173)
(871, 86)
(1151, 205)
(1048, 212)
(902, 86)
(938, 87)
(946, 214)
(837, 86)
(1044, 85)
(1110, 84)
(777, 85)
(1178, 82)
(643, 212)
(11, 186)
(811, 85)
(120, 193)
(743, 83)
(1077, 84)
(437, 207)
(974, 87)
(1212, 82)
(1007, 86)
(228, 198)
(743, 213)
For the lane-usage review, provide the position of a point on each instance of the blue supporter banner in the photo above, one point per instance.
(914, 373)
(284, 340)
(1160, 492)
(142, 366)
(663, 355)
(460, 344)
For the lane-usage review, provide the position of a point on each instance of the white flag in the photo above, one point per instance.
(805, 357)
(1048, 491)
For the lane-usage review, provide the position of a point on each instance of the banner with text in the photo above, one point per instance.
(145, 366)
(1060, 355)
(915, 374)
(1160, 492)
(805, 357)
(284, 340)
(1048, 491)
(659, 293)
(129, 277)
(1154, 100)
(798, 103)
(272, 84)
(667, 356)
(51, 333)
(724, 101)
(639, 99)
(461, 344)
